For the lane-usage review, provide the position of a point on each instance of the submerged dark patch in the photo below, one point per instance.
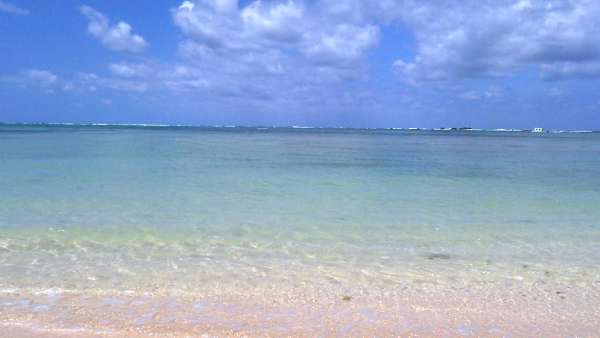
(433, 256)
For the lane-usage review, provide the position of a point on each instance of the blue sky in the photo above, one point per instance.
(388, 63)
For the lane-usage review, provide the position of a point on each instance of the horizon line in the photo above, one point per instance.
(160, 125)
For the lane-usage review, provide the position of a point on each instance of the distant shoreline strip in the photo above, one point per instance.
(151, 126)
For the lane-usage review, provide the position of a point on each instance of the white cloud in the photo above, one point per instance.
(491, 93)
(187, 5)
(555, 92)
(223, 26)
(297, 54)
(345, 43)
(130, 70)
(33, 78)
(41, 77)
(470, 95)
(116, 37)
(570, 69)
(280, 52)
(494, 92)
(122, 69)
(12, 9)
(92, 82)
(560, 38)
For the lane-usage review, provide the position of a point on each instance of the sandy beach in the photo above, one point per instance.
(509, 309)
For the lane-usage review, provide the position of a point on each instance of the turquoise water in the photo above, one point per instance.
(228, 210)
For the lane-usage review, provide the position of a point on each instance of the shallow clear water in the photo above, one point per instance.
(228, 211)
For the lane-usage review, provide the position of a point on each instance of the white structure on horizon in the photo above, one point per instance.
(538, 130)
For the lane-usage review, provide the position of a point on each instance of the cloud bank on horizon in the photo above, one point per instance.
(329, 62)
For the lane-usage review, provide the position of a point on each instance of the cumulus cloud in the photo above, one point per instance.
(280, 45)
(38, 79)
(491, 93)
(494, 92)
(80, 82)
(559, 38)
(12, 9)
(286, 27)
(470, 95)
(117, 37)
(223, 25)
(93, 81)
(296, 54)
(278, 51)
(122, 69)
(32, 78)
(344, 43)
(130, 70)
(554, 92)
(570, 69)
(466, 39)
(41, 77)
(231, 47)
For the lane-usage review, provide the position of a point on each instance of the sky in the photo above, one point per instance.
(353, 63)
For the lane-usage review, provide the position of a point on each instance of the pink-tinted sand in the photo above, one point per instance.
(512, 309)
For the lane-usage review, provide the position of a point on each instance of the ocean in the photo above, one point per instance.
(277, 231)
